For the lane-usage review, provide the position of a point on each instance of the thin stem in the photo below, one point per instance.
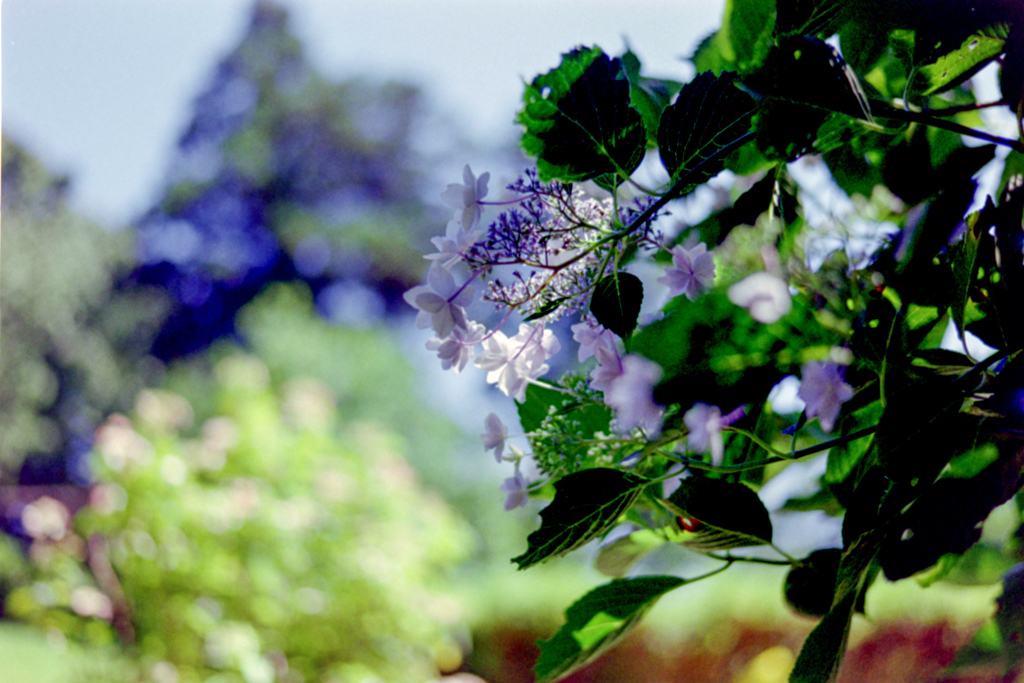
(755, 439)
(790, 559)
(929, 119)
(946, 111)
(756, 560)
(795, 455)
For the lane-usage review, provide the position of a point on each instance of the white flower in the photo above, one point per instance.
(692, 272)
(823, 390)
(764, 295)
(457, 349)
(513, 363)
(515, 491)
(457, 241)
(494, 435)
(590, 335)
(705, 425)
(438, 304)
(465, 198)
(631, 395)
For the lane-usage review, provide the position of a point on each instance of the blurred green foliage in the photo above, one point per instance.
(269, 540)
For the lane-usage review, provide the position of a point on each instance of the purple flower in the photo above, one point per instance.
(631, 395)
(440, 302)
(823, 390)
(705, 424)
(609, 368)
(457, 350)
(692, 271)
(590, 335)
(515, 491)
(494, 435)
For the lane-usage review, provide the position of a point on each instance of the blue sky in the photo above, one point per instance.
(100, 89)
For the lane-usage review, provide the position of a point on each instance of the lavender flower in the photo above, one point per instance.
(823, 390)
(692, 271)
(631, 395)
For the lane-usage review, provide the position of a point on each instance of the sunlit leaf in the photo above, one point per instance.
(973, 54)
(598, 620)
(615, 558)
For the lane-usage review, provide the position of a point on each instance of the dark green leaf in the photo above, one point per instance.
(597, 620)
(811, 584)
(545, 309)
(586, 504)
(616, 303)
(947, 518)
(711, 113)
(730, 514)
(922, 426)
(809, 71)
(579, 121)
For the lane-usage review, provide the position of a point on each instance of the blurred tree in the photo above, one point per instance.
(71, 346)
(282, 175)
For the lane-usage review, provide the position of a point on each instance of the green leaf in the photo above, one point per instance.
(957, 66)
(616, 303)
(947, 517)
(586, 504)
(649, 96)
(730, 514)
(714, 54)
(807, 70)
(711, 113)
(843, 458)
(809, 17)
(749, 25)
(537, 405)
(580, 123)
(598, 620)
(617, 557)
(822, 652)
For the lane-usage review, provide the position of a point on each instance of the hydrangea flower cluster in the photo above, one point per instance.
(542, 258)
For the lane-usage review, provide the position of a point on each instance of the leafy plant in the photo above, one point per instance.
(922, 436)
